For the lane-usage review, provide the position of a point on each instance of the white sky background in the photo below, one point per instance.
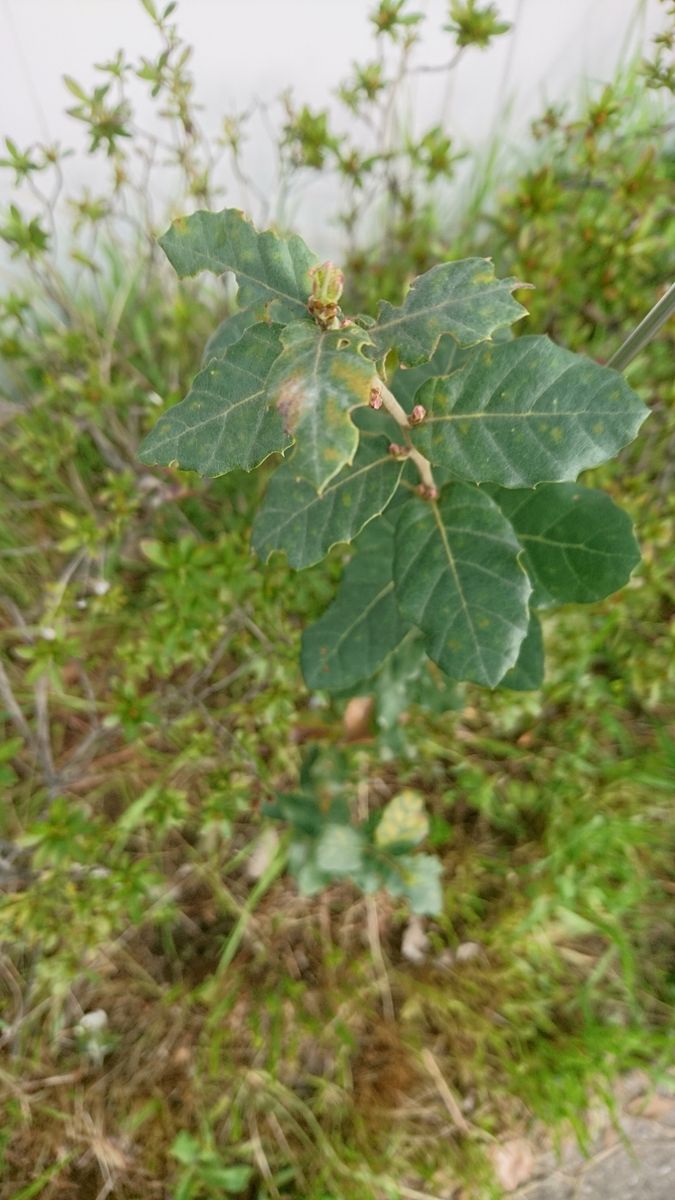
(253, 49)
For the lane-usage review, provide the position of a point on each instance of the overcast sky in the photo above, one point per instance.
(247, 49)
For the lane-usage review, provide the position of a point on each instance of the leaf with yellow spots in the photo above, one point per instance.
(458, 577)
(314, 385)
(295, 518)
(404, 823)
(362, 626)
(525, 412)
(270, 270)
(460, 298)
(224, 421)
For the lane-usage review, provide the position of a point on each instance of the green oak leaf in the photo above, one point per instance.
(524, 412)
(527, 673)
(230, 330)
(362, 625)
(314, 385)
(294, 517)
(459, 298)
(406, 381)
(269, 269)
(418, 878)
(458, 578)
(224, 421)
(404, 822)
(578, 545)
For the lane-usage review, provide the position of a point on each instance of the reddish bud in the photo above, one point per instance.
(375, 400)
(418, 414)
(397, 451)
(427, 492)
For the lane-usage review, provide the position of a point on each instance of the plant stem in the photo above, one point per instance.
(391, 404)
(399, 414)
(263, 884)
(645, 331)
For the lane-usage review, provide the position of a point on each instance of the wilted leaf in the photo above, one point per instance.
(415, 942)
(459, 580)
(524, 412)
(358, 718)
(460, 298)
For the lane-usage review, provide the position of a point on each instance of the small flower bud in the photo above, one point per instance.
(397, 451)
(418, 414)
(375, 400)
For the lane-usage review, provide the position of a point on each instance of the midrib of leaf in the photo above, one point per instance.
(582, 546)
(335, 487)
(451, 563)
(388, 587)
(315, 415)
(217, 269)
(416, 313)
(225, 412)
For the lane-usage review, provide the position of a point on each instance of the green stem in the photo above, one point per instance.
(645, 331)
(264, 883)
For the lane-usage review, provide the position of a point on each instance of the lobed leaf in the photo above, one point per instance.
(363, 624)
(270, 269)
(527, 673)
(579, 546)
(459, 298)
(406, 381)
(458, 578)
(224, 421)
(294, 517)
(524, 412)
(230, 330)
(316, 382)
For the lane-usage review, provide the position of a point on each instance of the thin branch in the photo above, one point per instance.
(455, 1112)
(399, 414)
(645, 331)
(9, 700)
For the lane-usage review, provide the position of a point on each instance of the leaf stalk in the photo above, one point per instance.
(399, 414)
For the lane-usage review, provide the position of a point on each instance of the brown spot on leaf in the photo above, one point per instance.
(290, 402)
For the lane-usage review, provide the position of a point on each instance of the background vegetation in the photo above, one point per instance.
(176, 1020)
